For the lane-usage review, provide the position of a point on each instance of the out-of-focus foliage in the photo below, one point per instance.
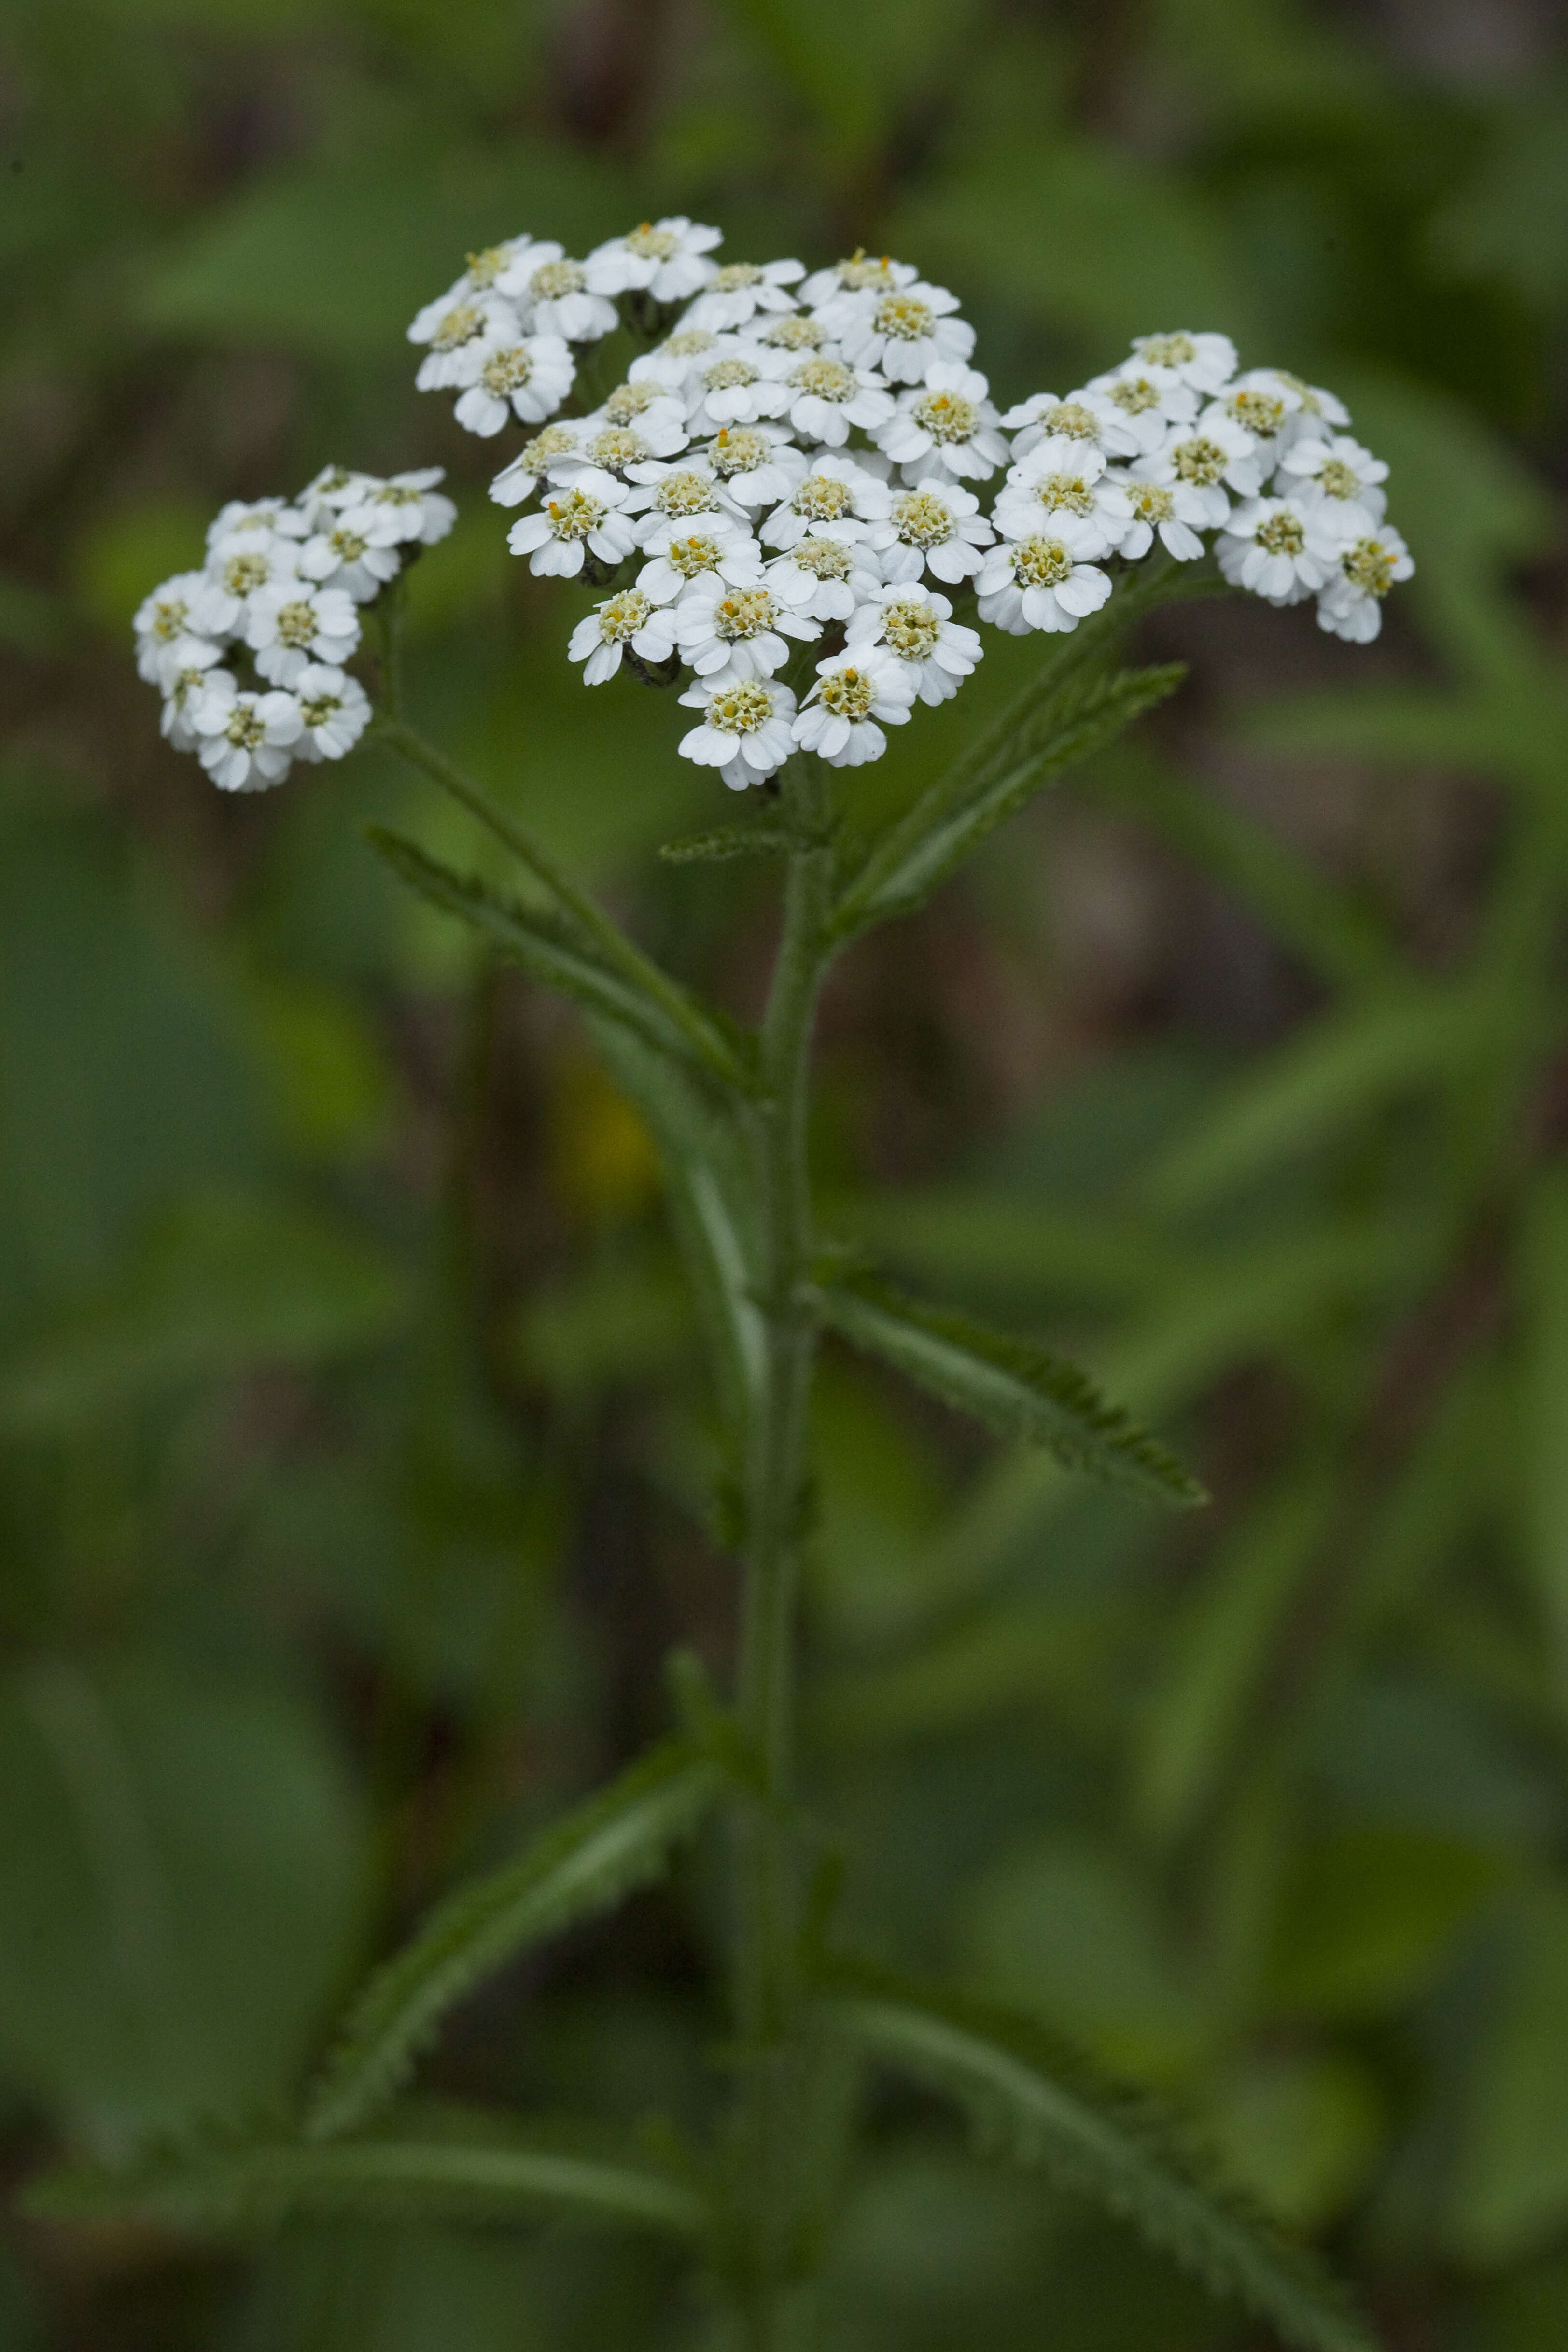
(354, 1452)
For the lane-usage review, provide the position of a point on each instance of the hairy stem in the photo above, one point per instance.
(769, 1889)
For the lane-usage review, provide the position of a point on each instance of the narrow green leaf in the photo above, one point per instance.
(254, 2187)
(1343, 1067)
(618, 1840)
(1036, 2105)
(553, 949)
(727, 841)
(950, 821)
(1015, 1389)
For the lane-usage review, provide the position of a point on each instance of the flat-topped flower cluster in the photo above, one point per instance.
(796, 491)
(249, 653)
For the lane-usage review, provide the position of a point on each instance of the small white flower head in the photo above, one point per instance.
(334, 711)
(1206, 362)
(914, 626)
(1318, 408)
(856, 696)
(674, 363)
(586, 518)
(838, 499)
(739, 291)
(1041, 582)
(1148, 400)
(946, 426)
(666, 258)
(823, 397)
(164, 619)
(1084, 419)
(863, 273)
(233, 578)
(936, 527)
(677, 555)
(558, 299)
(520, 480)
(292, 622)
(1211, 459)
(359, 552)
(836, 576)
(744, 731)
(739, 632)
(1263, 404)
(1278, 548)
(1035, 499)
(503, 376)
(246, 740)
(757, 465)
(253, 521)
(650, 408)
(183, 689)
(905, 332)
(1351, 605)
(734, 383)
(794, 331)
(464, 324)
(687, 493)
(421, 512)
(1171, 512)
(496, 272)
(630, 619)
(1341, 475)
(333, 488)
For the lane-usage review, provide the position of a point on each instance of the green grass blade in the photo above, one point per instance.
(1015, 1389)
(585, 1863)
(1036, 2105)
(553, 949)
(255, 2186)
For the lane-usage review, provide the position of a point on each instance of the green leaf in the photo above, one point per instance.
(619, 1839)
(1037, 740)
(560, 954)
(1015, 1389)
(256, 2187)
(729, 841)
(1034, 2106)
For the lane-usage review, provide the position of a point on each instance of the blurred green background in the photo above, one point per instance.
(352, 1441)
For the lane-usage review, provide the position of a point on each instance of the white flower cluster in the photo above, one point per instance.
(249, 652)
(783, 499)
(789, 462)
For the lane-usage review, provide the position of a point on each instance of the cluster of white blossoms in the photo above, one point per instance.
(796, 495)
(249, 653)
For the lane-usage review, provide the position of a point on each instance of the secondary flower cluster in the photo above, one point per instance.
(249, 652)
(792, 463)
(796, 491)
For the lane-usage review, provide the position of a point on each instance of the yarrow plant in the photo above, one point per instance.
(799, 510)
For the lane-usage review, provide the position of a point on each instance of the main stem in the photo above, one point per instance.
(769, 1891)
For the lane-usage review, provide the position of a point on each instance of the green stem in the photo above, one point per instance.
(611, 939)
(769, 1891)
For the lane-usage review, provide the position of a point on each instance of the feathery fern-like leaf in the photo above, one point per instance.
(553, 949)
(950, 821)
(618, 1840)
(249, 2188)
(1037, 2106)
(1017, 1390)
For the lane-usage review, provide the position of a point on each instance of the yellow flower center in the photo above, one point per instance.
(741, 708)
(315, 709)
(1167, 351)
(742, 451)
(694, 554)
(574, 515)
(622, 616)
(1369, 565)
(169, 618)
(629, 399)
(1152, 504)
(946, 415)
(650, 243)
(828, 379)
(685, 493)
(903, 318)
(551, 279)
(462, 322)
(794, 334)
(242, 574)
(1282, 534)
(1259, 411)
(245, 728)
(1040, 563)
(1068, 491)
(506, 371)
(1135, 394)
(733, 276)
(745, 612)
(728, 375)
(1199, 460)
(296, 625)
(616, 447)
(847, 693)
(911, 628)
(485, 268)
(922, 520)
(826, 559)
(823, 498)
(1339, 481)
